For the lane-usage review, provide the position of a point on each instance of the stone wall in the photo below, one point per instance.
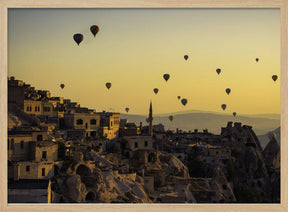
(21, 171)
(51, 153)
(19, 147)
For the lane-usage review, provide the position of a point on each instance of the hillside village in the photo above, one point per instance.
(61, 152)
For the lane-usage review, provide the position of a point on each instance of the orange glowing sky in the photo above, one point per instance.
(135, 47)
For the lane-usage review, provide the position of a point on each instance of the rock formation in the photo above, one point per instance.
(272, 153)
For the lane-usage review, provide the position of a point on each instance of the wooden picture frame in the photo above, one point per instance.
(282, 4)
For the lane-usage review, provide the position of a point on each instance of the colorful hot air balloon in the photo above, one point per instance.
(234, 114)
(223, 106)
(228, 90)
(184, 101)
(78, 38)
(274, 77)
(155, 90)
(94, 29)
(166, 77)
(218, 70)
(62, 86)
(186, 57)
(108, 85)
(127, 109)
(178, 97)
(171, 118)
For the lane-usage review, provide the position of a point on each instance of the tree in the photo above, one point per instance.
(196, 167)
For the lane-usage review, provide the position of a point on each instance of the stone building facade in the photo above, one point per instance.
(109, 125)
(82, 125)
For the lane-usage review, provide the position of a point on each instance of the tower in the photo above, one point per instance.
(150, 120)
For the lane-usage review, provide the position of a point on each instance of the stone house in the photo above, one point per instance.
(31, 170)
(33, 107)
(129, 129)
(109, 124)
(87, 124)
(20, 143)
(135, 143)
(31, 155)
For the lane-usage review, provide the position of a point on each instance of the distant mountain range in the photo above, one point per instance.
(190, 120)
(265, 115)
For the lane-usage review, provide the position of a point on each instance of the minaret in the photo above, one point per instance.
(150, 120)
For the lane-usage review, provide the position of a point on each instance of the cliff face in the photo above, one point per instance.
(174, 166)
(224, 187)
(252, 178)
(149, 175)
(81, 181)
(250, 165)
(251, 174)
(98, 181)
(271, 153)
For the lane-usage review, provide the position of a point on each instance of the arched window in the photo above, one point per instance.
(35, 108)
(79, 122)
(38, 109)
(90, 196)
(93, 121)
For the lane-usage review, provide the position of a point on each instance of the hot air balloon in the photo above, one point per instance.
(108, 85)
(178, 97)
(234, 114)
(155, 90)
(62, 86)
(94, 29)
(274, 77)
(127, 109)
(218, 70)
(184, 101)
(166, 77)
(147, 120)
(223, 106)
(257, 59)
(228, 90)
(78, 38)
(186, 57)
(171, 118)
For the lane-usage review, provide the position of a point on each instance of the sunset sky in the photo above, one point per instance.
(135, 47)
